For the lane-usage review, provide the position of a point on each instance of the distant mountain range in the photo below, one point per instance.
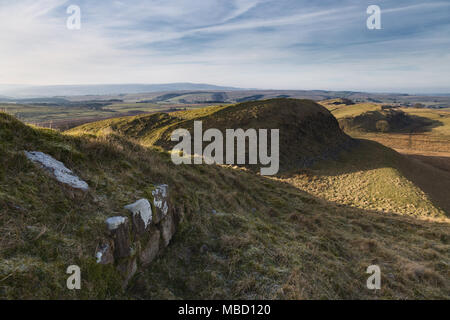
(195, 93)
(15, 91)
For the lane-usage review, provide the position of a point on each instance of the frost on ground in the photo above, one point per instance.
(59, 170)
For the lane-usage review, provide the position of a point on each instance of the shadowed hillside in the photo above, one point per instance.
(395, 121)
(308, 132)
(422, 136)
(309, 136)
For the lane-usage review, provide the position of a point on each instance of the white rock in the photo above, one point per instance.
(99, 255)
(102, 255)
(143, 208)
(61, 173)
(114, 222)
(160, 197)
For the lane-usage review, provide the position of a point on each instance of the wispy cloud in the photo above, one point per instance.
(251, 43)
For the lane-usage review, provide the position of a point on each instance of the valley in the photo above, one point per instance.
(67, 111)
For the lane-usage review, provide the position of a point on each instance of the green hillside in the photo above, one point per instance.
(309, 135)
(361, 119)
(308, 132)
(242, 236)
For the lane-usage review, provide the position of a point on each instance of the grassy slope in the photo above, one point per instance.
(308, 132)
(374, 177)
(59, 116)
(428, 151)
(432, 138)
(436, 137)
(269, 240)
(342, 111)
(336, 181)
(144, 128)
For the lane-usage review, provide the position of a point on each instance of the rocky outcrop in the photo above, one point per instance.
(57, 169)
(150, 252)
(141, 214)
(104, 254)
(133, 246)
(160, 196)
(119, 232)
(167, 227)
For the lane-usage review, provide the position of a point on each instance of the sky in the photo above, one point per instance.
(266, 44)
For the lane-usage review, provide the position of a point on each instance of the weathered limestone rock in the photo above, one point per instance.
(118, 227)
(135, 245)
(151, 250)
(167, 227)
(114, 222)
(57, 168)
(161, 202)
(104, 254)
(142, 215)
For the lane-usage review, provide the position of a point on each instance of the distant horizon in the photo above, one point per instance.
(219, 87)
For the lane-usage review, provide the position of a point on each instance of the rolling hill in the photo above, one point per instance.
(308, 132)
(420, 135)
(100, 102)
(309, 135)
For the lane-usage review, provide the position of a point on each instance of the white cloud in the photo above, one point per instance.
(211, 41)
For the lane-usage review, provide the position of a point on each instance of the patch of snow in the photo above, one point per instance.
(114, 222)
(143, 208)
(59, 170)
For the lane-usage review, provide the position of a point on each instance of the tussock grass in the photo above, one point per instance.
(373, 177)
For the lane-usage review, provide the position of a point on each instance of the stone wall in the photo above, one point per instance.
(138, 237)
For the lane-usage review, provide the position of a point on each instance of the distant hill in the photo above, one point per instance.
(192, 93)
(106, 89)
(386, 121)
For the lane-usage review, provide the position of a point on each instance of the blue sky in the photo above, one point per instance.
(279, 44)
